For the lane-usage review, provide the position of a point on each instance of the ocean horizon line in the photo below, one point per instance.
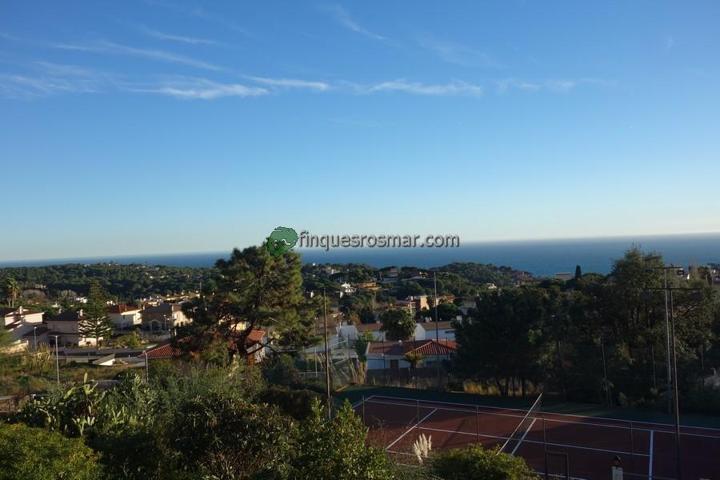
(540, 257)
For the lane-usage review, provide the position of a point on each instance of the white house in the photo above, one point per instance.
(125, 316)
(20, 322)
(66, 326)
(347, 288)
(353, 332)
(164, 316)
(441, 331)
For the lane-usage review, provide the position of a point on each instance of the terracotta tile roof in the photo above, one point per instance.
(255, 336)
(165, 350)
(437, 348)
(424, 347)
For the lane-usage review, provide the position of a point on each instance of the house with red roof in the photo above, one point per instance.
(391, 355)
(255, 343)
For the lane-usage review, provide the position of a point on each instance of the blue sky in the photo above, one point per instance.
(168, 126)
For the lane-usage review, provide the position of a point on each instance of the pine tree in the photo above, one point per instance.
(94, 322)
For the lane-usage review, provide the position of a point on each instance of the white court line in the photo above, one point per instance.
(459, 404)
(411, 429)
(536, 442)
(361, 401)
(428, 404)
(650, 462)
(523, 437)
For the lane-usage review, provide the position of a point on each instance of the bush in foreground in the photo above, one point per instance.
(37, 454)
(476, 463)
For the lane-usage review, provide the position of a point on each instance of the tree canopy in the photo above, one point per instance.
(397, 324)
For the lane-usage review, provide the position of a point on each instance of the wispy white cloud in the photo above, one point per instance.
(200, 89)
(550, 85)
(27, 86)
(60, 69)
(104, 46)
(291, 83)
(457, 53)
(43, 78)
(177, 38)
(455, 88)
(343, 18)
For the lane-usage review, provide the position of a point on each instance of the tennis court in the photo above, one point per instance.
(563, 446)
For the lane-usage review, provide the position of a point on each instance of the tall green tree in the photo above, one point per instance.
(397, 324)
(252, 289)
(95, 322)
(502, 342)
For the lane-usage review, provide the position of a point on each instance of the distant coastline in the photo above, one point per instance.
(539, 257)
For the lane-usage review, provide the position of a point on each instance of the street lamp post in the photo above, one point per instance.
(57, 360)
(35, 339)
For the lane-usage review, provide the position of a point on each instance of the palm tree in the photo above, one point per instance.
(12, 290)
(413, 358)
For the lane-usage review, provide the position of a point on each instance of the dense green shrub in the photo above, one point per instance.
(335, 449)
(476, 463)
(296, 403)
(36, 454)
(281, 370)
(228, 438)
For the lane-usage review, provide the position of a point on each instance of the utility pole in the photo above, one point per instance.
(675, 391)
(147, 368)
(667, 337)
(605, 377)
(674, 377)
(435, 301)
(57, 360)
(668, 354)
(437, 330)
(327, 354)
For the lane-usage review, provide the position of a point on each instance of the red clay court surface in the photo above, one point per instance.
(578, 447)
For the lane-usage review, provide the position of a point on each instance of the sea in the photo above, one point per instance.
(542, 258)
